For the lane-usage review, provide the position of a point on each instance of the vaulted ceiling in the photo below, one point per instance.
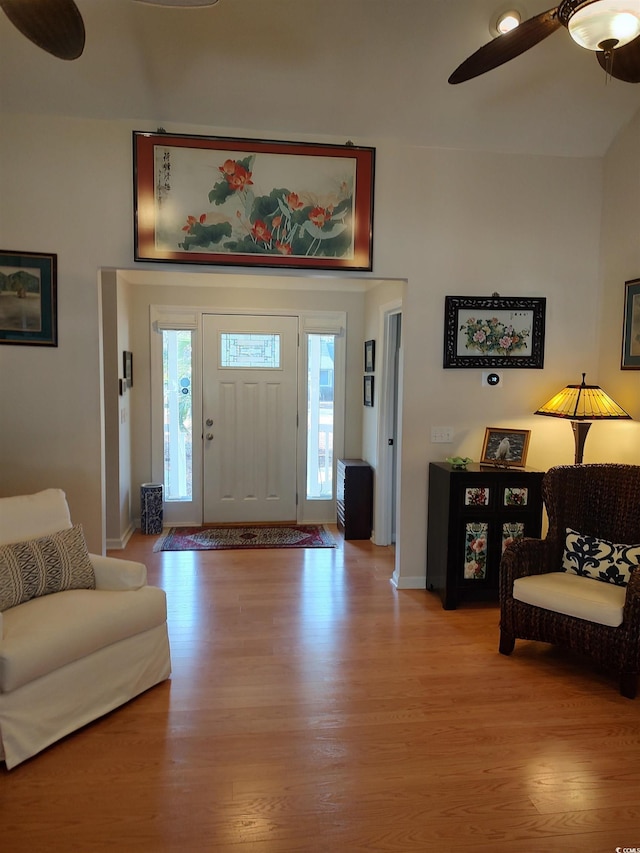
(352, 69)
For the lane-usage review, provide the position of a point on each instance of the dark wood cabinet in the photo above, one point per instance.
(473, 514)
(354, 498)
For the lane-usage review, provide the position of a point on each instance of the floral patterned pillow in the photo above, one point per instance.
(599, 559)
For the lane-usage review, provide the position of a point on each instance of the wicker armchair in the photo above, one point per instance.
(600, 500)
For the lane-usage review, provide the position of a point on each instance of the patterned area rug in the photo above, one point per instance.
(218, 538)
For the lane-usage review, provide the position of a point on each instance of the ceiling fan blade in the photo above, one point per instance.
(54, 25)
(625, 64)
(507, 46)
(184, 4)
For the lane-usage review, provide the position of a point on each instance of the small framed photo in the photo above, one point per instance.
(368, 390)
(505, 447)
(127, 368)
(369, 356)
(631, 326)
(28, 298)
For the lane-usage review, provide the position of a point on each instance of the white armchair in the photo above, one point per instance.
(70, 656)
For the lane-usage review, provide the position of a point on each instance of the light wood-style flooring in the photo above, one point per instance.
(315, 708)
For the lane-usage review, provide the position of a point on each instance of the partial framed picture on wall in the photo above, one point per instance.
(28, 298)
(631, 326)
(368, 390)
(369, 356)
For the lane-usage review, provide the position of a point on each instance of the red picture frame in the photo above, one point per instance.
(247, 202)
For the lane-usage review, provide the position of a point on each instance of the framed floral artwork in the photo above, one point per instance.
(28, 298)
(248, 202)
(494, 331)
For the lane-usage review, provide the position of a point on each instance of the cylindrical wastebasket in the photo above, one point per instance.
(151, 508)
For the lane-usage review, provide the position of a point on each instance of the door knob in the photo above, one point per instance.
(209, 436)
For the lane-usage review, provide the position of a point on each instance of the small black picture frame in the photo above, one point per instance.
(369, 356)
(368, 390)
(127, 368)
(494, 331)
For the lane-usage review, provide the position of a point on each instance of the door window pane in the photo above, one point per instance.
(320, 384)
(249, 350)
(178, 413)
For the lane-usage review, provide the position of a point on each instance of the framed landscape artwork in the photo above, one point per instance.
(28, 298)
(248, 202)
(494, 331)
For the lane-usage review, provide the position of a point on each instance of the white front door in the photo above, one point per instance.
(249, 413)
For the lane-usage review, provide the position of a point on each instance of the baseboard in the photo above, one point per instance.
(418, 582)
(121, 543)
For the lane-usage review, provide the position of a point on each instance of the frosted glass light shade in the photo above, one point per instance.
(507, 22)
(613, 21)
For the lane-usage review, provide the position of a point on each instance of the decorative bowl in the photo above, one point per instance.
(458, 462)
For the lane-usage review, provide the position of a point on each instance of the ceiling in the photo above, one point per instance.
(355, 69)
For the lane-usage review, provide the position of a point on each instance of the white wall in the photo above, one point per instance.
(449, 222)
(620, 263)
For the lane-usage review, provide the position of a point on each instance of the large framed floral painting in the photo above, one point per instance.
(247, 202)
(494, 331)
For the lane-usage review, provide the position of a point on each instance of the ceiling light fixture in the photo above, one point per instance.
(601, 24)
(610, 29)
(507, 21)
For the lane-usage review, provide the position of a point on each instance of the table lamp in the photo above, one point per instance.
(582, 404)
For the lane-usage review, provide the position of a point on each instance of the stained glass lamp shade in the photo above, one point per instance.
(582, 404)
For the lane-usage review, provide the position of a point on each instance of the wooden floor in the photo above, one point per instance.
(314, 707)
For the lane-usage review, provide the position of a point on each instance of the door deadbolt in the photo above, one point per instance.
(209, 422)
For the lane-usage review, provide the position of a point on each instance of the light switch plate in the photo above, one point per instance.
(441, 435)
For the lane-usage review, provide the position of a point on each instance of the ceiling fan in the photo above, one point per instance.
(57, 26)
(610, 28)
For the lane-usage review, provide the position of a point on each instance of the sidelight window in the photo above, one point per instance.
(177, 386)
(320, 416)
